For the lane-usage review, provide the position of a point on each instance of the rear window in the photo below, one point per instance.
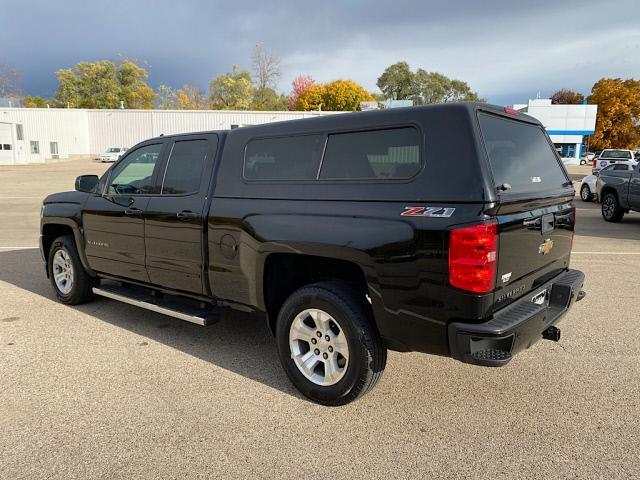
(379, 154)
(284, 158)
(616, 154)
(520, 156)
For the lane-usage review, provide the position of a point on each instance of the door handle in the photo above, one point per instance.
(186, 215)
(133, 212)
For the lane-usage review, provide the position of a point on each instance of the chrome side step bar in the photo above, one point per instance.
(157, 304)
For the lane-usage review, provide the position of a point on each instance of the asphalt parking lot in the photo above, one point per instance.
(106, 390)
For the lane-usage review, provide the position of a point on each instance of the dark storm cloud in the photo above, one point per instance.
(507, 50)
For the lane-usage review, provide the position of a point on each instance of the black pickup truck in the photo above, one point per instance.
(439, 229)
(619, 189)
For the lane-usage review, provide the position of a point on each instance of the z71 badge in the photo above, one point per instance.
(437, 212)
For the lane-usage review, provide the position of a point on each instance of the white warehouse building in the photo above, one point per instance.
(35, 135)
(567, 125)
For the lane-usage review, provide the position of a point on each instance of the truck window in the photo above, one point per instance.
(134, 174)
(379, 154)
(623, 154)
(520, 155)
(183, 172)
(283, 158)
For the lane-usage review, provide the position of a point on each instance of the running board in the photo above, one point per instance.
(158, 304)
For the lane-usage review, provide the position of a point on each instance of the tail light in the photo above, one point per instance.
(593, 165)
(575, 222)
(473, 257)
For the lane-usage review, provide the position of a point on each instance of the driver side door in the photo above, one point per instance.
(113, 218)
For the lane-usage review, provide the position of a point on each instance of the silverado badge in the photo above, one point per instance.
(545, 247)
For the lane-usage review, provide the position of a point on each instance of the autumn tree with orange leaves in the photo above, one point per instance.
(618, 113)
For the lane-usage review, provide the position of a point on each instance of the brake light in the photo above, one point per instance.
(593, 165)
(511, 111)
(473, 257)
(575, 222)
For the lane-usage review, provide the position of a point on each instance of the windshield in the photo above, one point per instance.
(616, 154)
(113, 150)
(522, 160)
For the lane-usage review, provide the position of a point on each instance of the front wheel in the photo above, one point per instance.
(71, 282)
(328, 343)
(585, 193)
(611, 210)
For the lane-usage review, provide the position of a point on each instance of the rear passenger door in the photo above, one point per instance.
(634, 188)
(175, 219)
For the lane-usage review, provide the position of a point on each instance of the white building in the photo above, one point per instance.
(566, 125)
(34, 135)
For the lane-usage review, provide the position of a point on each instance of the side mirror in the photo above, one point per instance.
(86, 183)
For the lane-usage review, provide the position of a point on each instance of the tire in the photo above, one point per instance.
(611, 210)
(583, 162)
(75, 284)
(585, 193)
(345, 321)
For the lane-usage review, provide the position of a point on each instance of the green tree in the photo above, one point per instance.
(267, 99)
(397, 82)
(434, 87)
(565, 96)
(34, 102)
(135, 91)
(103, 84)
(618, 117)
(232, 91)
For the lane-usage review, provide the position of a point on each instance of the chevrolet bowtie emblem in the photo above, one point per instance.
(545, 247)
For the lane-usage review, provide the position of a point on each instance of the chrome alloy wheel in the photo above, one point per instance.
(319, 347)
(63, 271)
(585, 193)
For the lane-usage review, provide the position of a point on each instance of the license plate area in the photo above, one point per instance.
(540, 297)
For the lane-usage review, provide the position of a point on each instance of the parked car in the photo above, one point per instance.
(610, 156)
(619, 189)
(352, 234)
(586, 157)
(589, 186)
(112, 154)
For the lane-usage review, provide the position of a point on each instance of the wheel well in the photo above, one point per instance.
(50, 232)
(606, 190)
(284, 273)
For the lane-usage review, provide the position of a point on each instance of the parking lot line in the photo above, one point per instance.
(608, 253)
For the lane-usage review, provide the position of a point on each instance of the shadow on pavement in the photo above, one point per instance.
(239, 342)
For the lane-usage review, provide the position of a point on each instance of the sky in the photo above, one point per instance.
(506, 50)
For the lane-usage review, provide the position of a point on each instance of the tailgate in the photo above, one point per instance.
(535, 246)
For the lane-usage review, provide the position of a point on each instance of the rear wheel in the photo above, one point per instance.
(611, 210)
(585, 193)
(328, 343)
(71, 282)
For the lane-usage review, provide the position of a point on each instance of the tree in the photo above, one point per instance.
(190, 97)
(565, 96)
(267, 99)
(299, 86)
(135, 91)
(167, 98)
(434, 87)
(9, 82)
(397, 82)
(266, 67)
(34, 102)
(103, 84)
(232, 91)
(339, 95)
(617, 121)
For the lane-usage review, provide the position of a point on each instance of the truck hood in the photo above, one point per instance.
(66, 197)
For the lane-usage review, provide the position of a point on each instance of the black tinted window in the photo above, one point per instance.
(184, 170)
(520, 155)
(286, 158)
(379, 154)
(621, 167)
